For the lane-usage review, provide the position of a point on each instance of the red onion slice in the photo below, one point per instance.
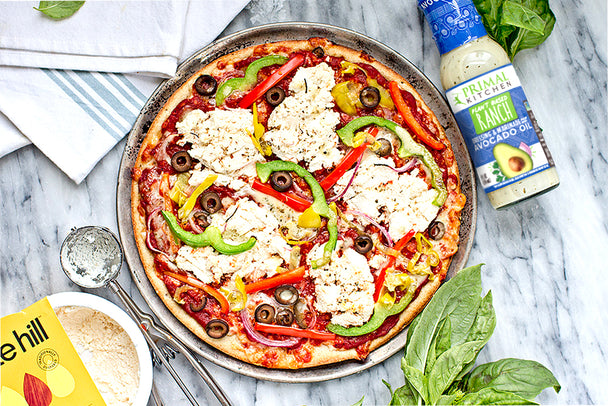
(162, 149)
(257, 337)
(408, 166)
(350, 182)
(195, 227)
(383, 230)
(148, 240)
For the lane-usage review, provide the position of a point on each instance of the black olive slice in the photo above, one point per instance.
(363, 244)
(286, 294)
(318, 52)
(211, 202)
(275, 95)
(198, 306)
(281, 181)
(385, 148)
(201, 218)
(181, 161)
(216, 328)
(300, 309)
(284, 317)
(436, 230)
(205, 85)
(370, 97)
(264, 313)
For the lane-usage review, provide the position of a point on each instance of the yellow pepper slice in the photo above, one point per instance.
(387, 299)
(236, 298)
(348, 68)
(385, 96)
(397, 280)
(309, 219)
(258, 133)
(177, 192)
(185, 210)
(346, 96)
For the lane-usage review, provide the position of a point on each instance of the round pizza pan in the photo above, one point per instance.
(259, 35)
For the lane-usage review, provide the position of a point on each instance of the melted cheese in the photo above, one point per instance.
(219, 138)
(344, 287)
(302, 127)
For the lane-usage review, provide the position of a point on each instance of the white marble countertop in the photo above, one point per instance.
(543, 257)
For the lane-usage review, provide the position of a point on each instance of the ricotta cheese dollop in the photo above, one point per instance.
(302, 127)
(219, 138)
(404, 201)
(241, 220)
(344, 287)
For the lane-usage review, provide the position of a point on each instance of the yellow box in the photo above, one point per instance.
(39, 364)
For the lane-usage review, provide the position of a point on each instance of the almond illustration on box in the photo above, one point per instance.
(36, 392)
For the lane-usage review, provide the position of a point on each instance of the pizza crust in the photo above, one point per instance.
(235, 344)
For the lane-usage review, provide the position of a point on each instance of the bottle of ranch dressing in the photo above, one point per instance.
(505, 142)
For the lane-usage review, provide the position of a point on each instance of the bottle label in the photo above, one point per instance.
(453, 22)
(503, 138)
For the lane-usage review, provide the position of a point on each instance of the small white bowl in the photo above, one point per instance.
(126, 322)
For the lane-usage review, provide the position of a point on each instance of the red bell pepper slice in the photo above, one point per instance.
(187, 279)
(271, 80)
(346, 163)
(295, 202)
(292, 276)
(379, 284)
(294, 332)
(409, 118)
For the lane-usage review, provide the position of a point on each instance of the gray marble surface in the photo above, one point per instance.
(545, 258)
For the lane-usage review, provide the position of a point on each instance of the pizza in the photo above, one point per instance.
(296, 203)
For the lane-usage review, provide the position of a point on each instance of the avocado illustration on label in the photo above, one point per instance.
(511, 161)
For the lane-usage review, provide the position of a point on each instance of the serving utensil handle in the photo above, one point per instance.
(150, 328)
(143, 321)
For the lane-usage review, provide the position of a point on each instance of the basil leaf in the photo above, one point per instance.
(410, 330)
(516, 24)
(416, 380)
(458, 299)
(519, 16)
(448, 367)
(402, 396)
(492, 396)
(360, 402)
(59, 9)
(482, 329)
(522, 377)
(451, 399)
(441, 343)
(525, 39)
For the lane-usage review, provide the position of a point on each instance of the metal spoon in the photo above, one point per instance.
(92, 257)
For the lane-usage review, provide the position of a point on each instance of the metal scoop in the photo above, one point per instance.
(91, 257)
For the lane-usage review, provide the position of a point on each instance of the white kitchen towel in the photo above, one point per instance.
(108, 36)
(76, 116)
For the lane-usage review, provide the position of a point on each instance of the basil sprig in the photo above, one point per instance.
(59, 9)
(443, 343)
(516, 24)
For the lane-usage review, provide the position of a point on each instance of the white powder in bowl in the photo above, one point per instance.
(106, 351)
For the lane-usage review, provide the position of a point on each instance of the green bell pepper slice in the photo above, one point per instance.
(319, 204)
(381, 312)
(250, 78)
(408, 148)
(211, 236)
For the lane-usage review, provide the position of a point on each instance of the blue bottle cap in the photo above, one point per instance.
(453, 22)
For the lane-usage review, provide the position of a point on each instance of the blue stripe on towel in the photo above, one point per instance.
(94, 103)
(129, 96)
(107, 95)
(83, 104)
(132, 87)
